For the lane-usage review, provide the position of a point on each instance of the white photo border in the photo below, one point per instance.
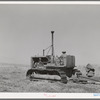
(18, 95)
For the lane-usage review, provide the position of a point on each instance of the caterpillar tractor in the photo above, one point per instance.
(51, 67)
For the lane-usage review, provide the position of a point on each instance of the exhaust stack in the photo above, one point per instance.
(52, 44)
(52, 33)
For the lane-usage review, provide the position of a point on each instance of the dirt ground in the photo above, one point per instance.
(13, 79)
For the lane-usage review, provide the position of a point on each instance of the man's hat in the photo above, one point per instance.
(63, 51)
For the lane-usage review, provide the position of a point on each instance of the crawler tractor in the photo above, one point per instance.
(49, 67)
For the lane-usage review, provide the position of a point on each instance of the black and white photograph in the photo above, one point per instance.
(49, 48)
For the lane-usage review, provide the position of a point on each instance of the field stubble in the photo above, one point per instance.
(13, 79)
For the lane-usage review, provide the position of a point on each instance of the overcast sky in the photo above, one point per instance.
(25, 30)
